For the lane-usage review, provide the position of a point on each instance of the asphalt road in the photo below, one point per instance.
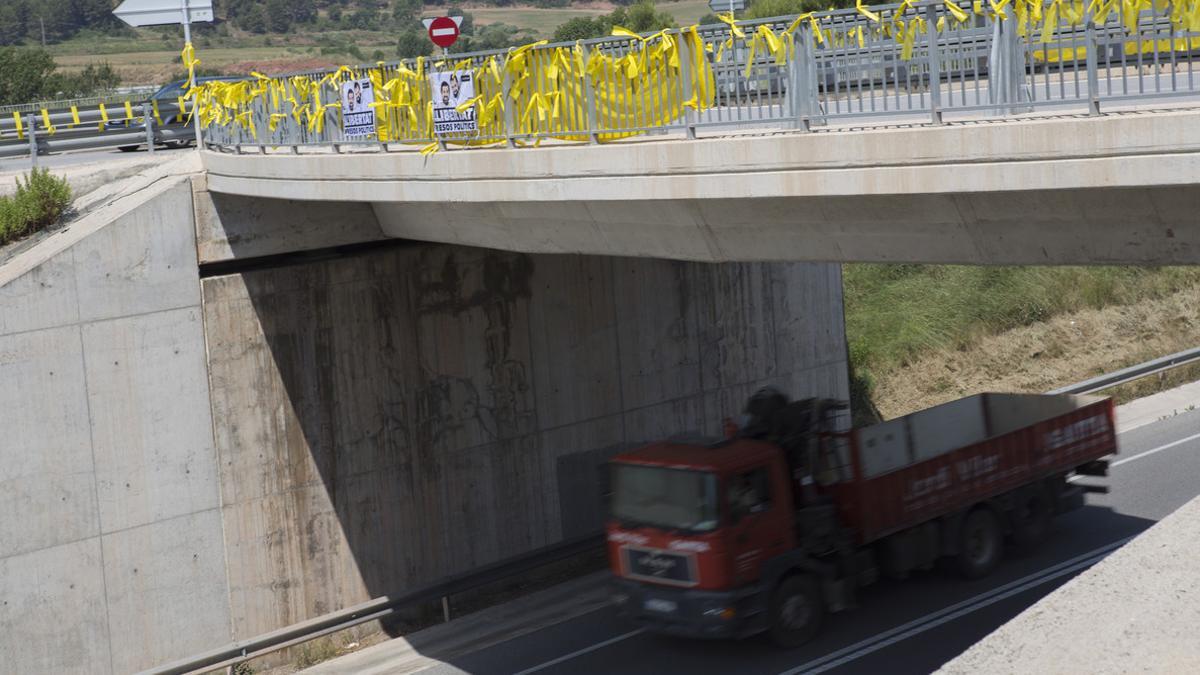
(68, 159)
(901, 627)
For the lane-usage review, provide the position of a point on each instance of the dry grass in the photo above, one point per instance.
(1042, 356)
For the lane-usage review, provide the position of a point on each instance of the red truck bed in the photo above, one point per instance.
(915, 468)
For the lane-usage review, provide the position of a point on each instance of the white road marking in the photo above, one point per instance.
(581, 652)
(942, 616)
(1160, 448)
(1147, 453)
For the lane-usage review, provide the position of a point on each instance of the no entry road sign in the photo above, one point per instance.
(443, 31)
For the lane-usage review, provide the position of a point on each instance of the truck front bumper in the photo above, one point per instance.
(692, 613)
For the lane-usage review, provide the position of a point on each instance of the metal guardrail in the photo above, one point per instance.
(1131, 373)
(116, 97)
(385, 606)
(379, 608)
(858, 69)
(40, 133)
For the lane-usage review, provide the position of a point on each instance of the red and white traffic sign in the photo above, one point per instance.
(443, 30)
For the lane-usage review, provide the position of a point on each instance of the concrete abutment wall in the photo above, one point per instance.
(387, 419)
(188, 461)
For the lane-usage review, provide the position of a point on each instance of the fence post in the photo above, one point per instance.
(589, 103)
(687, 69)
(510, 115)
(1093, 79)
(804, 91)
(31, 131)
(934, 60)
(148, 116)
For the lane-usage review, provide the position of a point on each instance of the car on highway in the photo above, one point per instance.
(173, 119)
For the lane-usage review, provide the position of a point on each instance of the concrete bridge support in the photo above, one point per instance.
(186, 461)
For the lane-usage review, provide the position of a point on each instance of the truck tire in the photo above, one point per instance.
(1031, 519)
(981, 544)
(797, 611)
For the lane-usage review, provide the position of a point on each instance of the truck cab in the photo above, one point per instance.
(694, 533)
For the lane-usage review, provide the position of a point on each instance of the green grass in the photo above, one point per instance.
(39, 202)
(896, 313)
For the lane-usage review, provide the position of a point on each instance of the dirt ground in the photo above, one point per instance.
(1044, 356)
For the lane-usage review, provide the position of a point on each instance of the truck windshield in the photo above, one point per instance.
(670, 499)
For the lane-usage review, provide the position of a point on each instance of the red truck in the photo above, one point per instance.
(781, 522)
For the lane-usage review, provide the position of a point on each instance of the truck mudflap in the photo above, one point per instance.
(692, 613)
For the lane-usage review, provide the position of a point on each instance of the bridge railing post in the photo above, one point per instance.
(803, 95)
(589, 102)
(1093, 78)
(148, 118)
(31, 132)
(687, 69)
(510, 113)
(933, 60)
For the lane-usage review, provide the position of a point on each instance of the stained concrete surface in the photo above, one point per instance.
(232, 226)
(388, 419)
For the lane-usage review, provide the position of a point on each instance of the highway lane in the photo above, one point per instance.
(60, 160)
(1155, 476)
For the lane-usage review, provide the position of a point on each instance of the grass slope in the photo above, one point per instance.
(923, 334)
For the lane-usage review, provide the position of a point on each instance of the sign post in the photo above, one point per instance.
(139, 13)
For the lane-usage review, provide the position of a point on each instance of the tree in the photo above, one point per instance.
(579, 28)
(413, 43)
(303, 11)
(253, 20)
(404, 11)
(640, 18)
(762, 9)
(644, 17)
(12, 29)
(279, 16)
(25, 75)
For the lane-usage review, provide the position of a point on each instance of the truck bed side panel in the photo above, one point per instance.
(877, 506)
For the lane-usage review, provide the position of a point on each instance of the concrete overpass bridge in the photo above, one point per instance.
(1113, 189)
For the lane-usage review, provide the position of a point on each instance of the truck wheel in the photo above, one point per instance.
(1031, 519)
(981, 545)
(796, 611)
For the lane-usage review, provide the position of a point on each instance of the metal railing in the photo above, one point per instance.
(116, 97)
(842, 67)
(37, 133)
(1126, 375)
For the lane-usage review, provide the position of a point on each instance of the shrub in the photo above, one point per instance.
(39, 202)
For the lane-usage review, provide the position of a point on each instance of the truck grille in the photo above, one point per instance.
(678, 569)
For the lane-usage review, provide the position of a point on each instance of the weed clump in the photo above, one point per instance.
(39, 202)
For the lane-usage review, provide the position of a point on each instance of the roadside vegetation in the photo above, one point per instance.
(40, 200)
(923, 334)
(275, 36)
